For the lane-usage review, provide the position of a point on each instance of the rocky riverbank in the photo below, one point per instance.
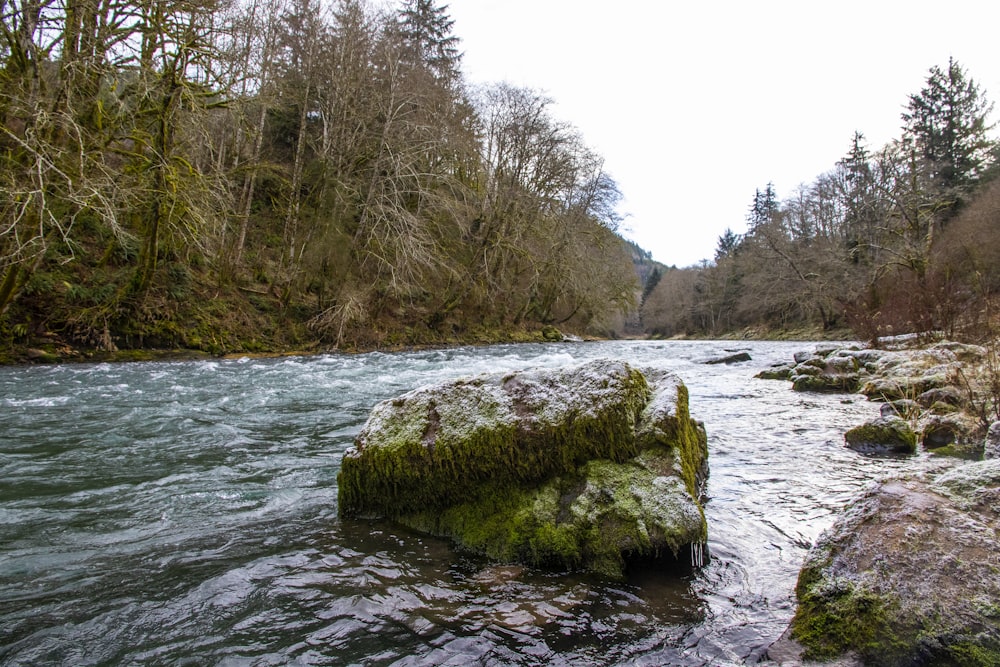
(908, 574)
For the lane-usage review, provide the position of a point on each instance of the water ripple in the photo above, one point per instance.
(185, 513)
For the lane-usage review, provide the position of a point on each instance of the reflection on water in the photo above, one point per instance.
(186, 513)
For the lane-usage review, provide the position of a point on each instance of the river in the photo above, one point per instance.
(185, 513)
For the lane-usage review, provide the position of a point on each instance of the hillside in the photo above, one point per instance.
(226, 179)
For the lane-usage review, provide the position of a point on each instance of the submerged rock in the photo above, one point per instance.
(776, 372)
(883, 435)
(908, 576)
(579, 468)
(734, 358)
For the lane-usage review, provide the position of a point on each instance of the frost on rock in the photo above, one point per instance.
(582, 467)
(908, 574)
(883, 435)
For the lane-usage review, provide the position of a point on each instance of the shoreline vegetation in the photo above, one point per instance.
(261, 176)
(50, 348)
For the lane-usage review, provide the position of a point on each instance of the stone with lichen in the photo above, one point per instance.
(579, 468)
(908, 574)
(883, 435)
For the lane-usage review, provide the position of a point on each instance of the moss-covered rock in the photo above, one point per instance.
(884, 435)
(949, 429)
(827, 371)
(776, 372)
(908, 575)
(552, 334)
(581, 468)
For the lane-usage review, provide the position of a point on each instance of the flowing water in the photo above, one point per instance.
(186, 513)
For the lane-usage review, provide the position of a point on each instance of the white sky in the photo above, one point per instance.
(695, 105)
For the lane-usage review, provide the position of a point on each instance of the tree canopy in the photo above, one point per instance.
(249, 174)
(875, 244)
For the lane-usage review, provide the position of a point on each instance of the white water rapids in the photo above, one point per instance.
(185, 513)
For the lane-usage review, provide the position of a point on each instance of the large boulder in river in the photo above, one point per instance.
(908, 575)
(577, 468)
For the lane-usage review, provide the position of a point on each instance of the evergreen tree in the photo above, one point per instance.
(947, 122)
(426, 30)
(858, 198)
(764, 207)
(728, 243)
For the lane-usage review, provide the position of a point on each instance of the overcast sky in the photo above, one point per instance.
(695, 105)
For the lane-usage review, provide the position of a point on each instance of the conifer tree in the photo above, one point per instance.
(763, 208)
(426, 30)
(947, 122)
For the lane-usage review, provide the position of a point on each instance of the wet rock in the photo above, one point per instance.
(776, 372)
(734, 358)
(578, 468)
(802, 356)
(903, 408)
(884, 435)
(939, 431)
(831, 371)
(947, 394)
(823, 383)
(911, 373)
(907, 576)
(991, 448)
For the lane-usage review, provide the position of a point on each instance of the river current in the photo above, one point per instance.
(185, 513)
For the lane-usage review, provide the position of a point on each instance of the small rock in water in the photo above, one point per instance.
(731, 359)
(884, 435)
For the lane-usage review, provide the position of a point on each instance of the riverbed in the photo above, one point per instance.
(186, 513)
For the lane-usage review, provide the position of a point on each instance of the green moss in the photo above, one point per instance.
(589, 520)
(435, 449)
(834, 617)
(885, 433)
(507, 524)
(552, 334)
(969, 654)
(966, 452)
(676, 430)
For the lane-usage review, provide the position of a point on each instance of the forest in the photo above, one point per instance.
(897, 239)
(261, 175)
(271, 175)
